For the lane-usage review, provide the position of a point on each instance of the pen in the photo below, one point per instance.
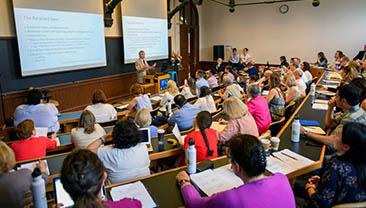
(276, 157)
(288, 156)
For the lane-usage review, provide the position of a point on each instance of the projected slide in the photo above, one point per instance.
(148, 34)
(54, 41)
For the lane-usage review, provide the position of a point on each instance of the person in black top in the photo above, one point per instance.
(284, 62)
(219, 66)
(361, 55)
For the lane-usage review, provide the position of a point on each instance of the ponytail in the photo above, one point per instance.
(204, 121)
(88, 200)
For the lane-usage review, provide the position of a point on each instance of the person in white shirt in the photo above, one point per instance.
(245, 57)
(102, 111)
(127, 159)
(211, 79)
(232, 89)
(87, 132)
(307, 76)
(171, 91)
(299, 81)
(188, 88)
(235, 57)
(205, 102)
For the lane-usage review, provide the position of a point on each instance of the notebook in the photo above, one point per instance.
(217, 180)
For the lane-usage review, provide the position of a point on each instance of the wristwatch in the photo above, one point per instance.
(102, 140)
(183, 181)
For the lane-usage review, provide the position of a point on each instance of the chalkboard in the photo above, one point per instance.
(12, 80)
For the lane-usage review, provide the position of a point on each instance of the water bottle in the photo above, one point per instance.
(191, 157)
(312, 89)
(295, 131)
(38, 189)
(161, 133)
(169, 107)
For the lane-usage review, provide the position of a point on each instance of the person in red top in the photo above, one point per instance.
(205, 138)
(30, 147)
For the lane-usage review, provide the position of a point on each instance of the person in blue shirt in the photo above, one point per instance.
(144, 120)
(44, 115)
(185, 115)
(201, 81)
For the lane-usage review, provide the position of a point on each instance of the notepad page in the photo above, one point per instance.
(320, 106)
(41, 132)
(32, 165)
(135, 190)
(315, 130)
(121, 107)
(217, 126)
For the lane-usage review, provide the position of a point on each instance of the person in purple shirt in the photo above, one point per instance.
(211, 79)
(248, 161)
(201, 81)
(82, 176)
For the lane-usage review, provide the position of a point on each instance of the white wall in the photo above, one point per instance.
(302, 32)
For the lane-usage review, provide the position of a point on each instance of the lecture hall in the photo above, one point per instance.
(182, 103)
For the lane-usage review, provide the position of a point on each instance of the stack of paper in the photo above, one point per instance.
(30, 166)
(122, 107)
(216, 180)
(315, 130)
(332, 82)
(156, 98)
(135, 190)
(330, 86)
(217, 126)
(327, 93)
(41, 132)
(265, 92)
(286, 162)
(320, 106)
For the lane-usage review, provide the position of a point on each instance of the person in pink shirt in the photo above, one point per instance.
(248, 162)
(82, 176)
(240, 120)
(258, 107)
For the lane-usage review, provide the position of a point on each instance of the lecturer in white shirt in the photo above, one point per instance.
(142, 67)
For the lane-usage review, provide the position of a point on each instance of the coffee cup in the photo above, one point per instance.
(275, 142)
(266, 144)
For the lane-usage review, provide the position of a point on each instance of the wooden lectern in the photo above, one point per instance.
(160, 81)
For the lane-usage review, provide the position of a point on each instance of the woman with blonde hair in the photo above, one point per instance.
(171, 91)
(15, 186)
(240, 120)
(143, 119)
(293, 90)
(87, 131)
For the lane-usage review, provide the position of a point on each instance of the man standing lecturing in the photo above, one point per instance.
(142, 66)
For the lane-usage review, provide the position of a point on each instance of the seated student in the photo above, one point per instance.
(284, 62)
(219, 66)
(344, 61)
(140, 100)
(127, 158)
(361, 84)
(189, 88)
(184, 115)
(15, 186)
(298, 73)
(275, 98)
(228, 72)
(29, 146)
(251, 68)
(253, 79)
(363, 69)
(44, 115)
(337, 56)
(248, 162)
(307, 76)
(291, 68)
(322, 61)
(83, 175)
(264, 81)
(231, 90)
(348, 73)
(293, 92)
(258, 108)
(171, 91)
(87, 132)
(343, 178)
(143, 119)
(348, 100)
(240, 120)
(205, 139)
(103, 111)
(211, 79)
(206, 102)
(201, 81)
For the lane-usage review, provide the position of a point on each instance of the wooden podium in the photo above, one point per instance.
(158, 81)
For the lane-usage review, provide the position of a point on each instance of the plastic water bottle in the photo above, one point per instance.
(161, 133)
(191, 156)
(312, 92)
(38, 189)
(295, 132)
(169, 107)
